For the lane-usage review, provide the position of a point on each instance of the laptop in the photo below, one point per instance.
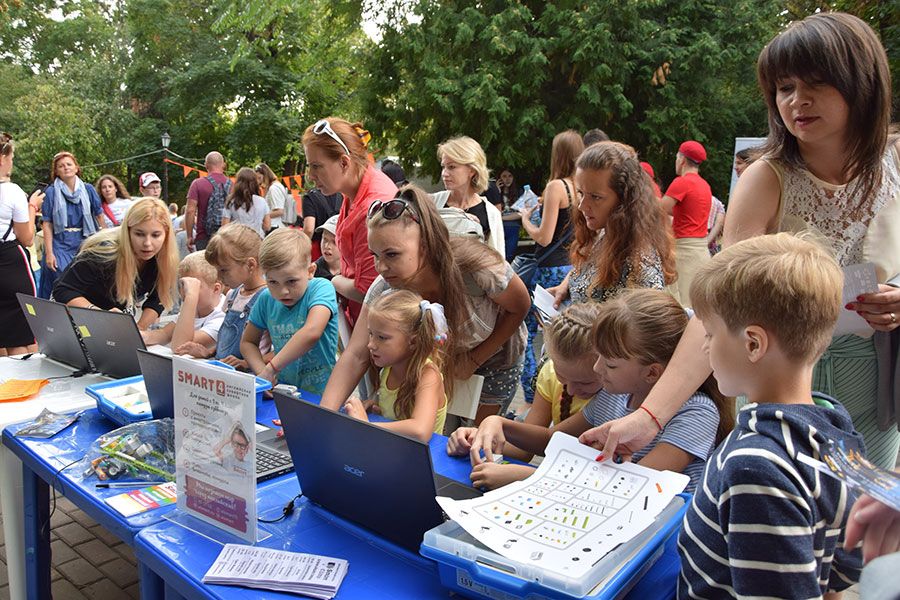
(111, 339)
(52, 327)
(272, 456)
(364, 473)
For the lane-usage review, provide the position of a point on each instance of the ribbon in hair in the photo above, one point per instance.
(438, 318)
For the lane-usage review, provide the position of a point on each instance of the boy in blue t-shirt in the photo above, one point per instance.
(765, 522)
(298, 311)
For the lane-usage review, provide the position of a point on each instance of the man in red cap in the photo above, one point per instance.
(688, 200)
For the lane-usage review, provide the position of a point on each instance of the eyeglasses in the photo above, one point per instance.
(323, 127)
(392, 209)
(239, 445)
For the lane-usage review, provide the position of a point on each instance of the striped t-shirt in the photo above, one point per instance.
(692, 429)
(764, 525)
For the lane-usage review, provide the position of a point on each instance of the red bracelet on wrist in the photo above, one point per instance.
(652, 416)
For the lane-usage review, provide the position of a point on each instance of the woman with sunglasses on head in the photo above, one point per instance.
(72, 212)
(485, 301)
(17, 212)
(337, 160)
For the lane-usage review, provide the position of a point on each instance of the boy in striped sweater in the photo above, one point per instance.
(764, 523)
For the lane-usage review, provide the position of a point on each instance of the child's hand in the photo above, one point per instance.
(354, 408)
(193, 349)
(188, 285)
(490, 475)
(269, 374)
(460, 441)
(489, 438)
(238, 363)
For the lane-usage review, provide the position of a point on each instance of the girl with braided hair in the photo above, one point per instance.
(633, 338)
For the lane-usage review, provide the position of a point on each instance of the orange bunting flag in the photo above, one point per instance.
(299, 180)
(287, 182)
(187, 170)
(202, 173)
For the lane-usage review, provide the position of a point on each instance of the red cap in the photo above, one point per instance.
(648, 169)
(693, 150)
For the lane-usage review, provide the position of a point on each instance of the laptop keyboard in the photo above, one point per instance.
(269, 461)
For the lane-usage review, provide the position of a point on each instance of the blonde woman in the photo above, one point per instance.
(119, 268)
(464, 173)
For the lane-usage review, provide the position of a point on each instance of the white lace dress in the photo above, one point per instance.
(858, 230)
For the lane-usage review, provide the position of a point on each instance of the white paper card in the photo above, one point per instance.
(543, 302)
(466, 394)
(570, 512)
(858, 279)
(215, 445)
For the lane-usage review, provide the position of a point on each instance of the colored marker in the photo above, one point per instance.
(124, 484)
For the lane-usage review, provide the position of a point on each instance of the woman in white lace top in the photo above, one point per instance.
(828, 165)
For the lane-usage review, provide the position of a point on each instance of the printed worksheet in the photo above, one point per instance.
(570, 512)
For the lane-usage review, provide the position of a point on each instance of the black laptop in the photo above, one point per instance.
(54, 332)
(272, 456)
(364, 473)
(111, 339)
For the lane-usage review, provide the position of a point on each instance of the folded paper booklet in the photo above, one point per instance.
(571, 512)
(135, 502)
(263, 568)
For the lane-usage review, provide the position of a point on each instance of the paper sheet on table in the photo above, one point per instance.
(858, 279)
(543, 302)
(570, 512)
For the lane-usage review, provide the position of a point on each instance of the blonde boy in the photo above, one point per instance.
(765, 523)
(298, 311)
(197, 328)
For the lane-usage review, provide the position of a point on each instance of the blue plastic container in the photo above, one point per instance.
(473, 570)
(119, 400)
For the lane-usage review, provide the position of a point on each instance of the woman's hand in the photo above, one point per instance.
(560, 292)
(460, 441)
(50, 260)
(876, 524)
(526, 212)
(488, 438)
(880, 309)
(622, 437)
(354, 408)
(36, 200)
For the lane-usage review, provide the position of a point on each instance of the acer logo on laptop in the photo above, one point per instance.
(110, 343)
(354, 471)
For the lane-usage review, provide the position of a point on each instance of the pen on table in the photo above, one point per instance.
(124, 484)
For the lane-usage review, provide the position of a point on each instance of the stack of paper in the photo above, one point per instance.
(263, 568)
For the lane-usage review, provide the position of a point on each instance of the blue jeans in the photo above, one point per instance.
(546, 277)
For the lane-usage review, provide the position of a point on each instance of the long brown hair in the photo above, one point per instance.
(267, 173)
(646, 325)
(567, 147)
(352, 134)
(121, 192)
(403, 308)
(244, 188)
(636, 225)
(842, 51)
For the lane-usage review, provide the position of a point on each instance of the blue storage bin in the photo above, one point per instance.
(475, 571)
(118, 400)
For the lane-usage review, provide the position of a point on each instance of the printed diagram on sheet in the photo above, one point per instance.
(570, 512)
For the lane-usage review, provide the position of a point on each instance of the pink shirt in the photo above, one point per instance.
(352, 234)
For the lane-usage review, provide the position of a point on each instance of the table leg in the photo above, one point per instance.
(11, 502)
(36, 495)
(172, 593)
(151, 584)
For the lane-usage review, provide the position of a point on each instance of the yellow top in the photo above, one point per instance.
(387, 397)
(550, 388)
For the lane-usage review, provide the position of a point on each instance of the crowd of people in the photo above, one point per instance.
(734, 395)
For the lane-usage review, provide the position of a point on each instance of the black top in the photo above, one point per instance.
(95, 280)
(321, 207)
(480, 211)
(492, 193)
(322, 269)
(560, 255)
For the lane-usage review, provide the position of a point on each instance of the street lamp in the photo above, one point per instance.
(165, 139)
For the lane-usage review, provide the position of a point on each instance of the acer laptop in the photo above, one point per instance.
(272, 456)
(54, 332)
(111, 339)
(364, 473)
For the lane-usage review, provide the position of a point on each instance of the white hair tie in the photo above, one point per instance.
(438, 317)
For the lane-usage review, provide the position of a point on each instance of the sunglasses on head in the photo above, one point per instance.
(323, 126)
(392, 209)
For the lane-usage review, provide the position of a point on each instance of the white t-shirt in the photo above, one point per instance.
(254, 218)
(13, 207)
(276, 196)
(211, 323)
(118, 207)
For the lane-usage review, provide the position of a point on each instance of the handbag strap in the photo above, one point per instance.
(568, 191)
(109, 213)
(10, 228)
(550, 249)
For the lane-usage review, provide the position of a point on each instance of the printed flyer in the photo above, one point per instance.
(215, 440)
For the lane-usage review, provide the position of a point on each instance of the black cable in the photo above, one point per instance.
(45, 527)
(287, 511)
